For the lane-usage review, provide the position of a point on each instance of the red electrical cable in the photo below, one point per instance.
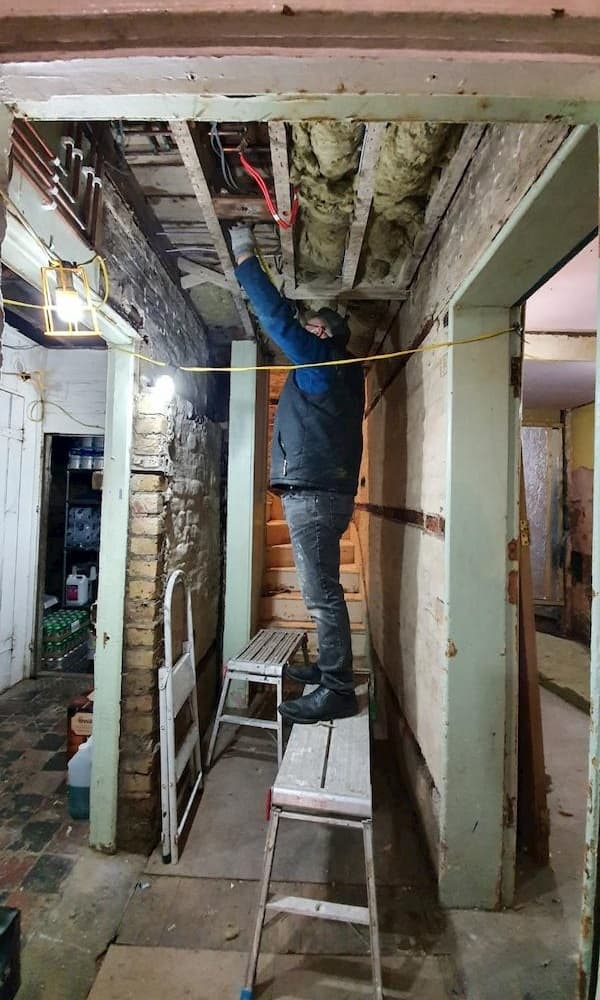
(282, 222)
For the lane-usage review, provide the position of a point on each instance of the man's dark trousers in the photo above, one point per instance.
(317, 521)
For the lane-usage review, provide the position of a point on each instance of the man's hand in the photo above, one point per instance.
(242, 241)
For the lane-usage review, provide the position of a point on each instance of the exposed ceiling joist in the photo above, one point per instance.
(281, 178)
(197, 274)
(361, 293)
(373, 138)
(436, 209)
(242, 207)
(184, 139)
(440, 200)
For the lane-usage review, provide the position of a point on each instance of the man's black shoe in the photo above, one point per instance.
(304, 675)
(321, 705)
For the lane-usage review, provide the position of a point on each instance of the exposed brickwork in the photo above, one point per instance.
(142, 290)
(174, 524)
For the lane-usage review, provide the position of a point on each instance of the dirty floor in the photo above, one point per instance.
(69, 897)
(530, 952)
(199, 915)
(564, 667)
(186, 931)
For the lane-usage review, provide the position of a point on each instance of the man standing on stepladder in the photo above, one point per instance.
(315, 461)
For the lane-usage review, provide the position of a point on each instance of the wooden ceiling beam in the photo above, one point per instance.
(241, 208)
(373, 137)
(281, 177)
(198, 274)
(360, 293)
(182, 134)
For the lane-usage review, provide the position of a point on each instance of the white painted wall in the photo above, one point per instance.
(569, 300)
(405, 468)
(75, 381)
(74, 388)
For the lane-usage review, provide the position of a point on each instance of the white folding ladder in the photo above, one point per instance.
(177, 688)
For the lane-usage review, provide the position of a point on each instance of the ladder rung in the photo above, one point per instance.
(301, 906)
(243, 720)
(186, 750)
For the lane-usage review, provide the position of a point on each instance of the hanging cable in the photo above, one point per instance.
(264, 265)
(217, 147)
(282, 222)
(36, 378)
(231, 369)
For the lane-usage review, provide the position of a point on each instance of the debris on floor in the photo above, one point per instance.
(70, 898)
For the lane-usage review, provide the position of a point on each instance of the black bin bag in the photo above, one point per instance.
(10, 952)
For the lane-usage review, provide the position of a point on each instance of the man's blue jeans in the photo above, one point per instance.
(317, 522)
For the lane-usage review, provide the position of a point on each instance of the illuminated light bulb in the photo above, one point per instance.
(164, 389)
(69, 305)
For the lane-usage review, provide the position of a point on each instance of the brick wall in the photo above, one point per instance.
(142, 291)
(175, 510)
(174, 524)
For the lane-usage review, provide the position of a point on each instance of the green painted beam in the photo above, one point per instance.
(111, 600)
(480, 657)
(589, 941)
(245, 505)
(180, 106)
(531, 245)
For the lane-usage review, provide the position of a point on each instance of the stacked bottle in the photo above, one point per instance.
(62, 631)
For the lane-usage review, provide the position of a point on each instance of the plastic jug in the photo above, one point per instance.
(80, 773)
(77, 589)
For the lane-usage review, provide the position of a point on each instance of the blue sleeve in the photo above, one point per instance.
(278, 322)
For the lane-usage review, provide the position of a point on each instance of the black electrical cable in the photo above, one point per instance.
(217, 147)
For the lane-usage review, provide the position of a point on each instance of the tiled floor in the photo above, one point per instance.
(38, 840)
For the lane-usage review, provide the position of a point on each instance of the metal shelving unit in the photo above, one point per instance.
(70, 552)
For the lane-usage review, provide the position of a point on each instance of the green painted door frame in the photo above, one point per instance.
(481, 643)
(589, 950)
(246, 475)
(478, 799)
(111, 599)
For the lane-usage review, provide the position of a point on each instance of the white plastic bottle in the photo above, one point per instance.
(77, 589)
(79, 778)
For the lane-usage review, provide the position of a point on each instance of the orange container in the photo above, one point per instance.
(79, 721)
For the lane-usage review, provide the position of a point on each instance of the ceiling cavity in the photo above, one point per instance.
(363, 222)
(325, 163)
(412, 157)
(325, 158)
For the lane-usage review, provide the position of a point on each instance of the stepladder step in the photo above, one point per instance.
(322, 909)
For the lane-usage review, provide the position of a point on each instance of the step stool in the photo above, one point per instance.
(325, 778)
(262, 661)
